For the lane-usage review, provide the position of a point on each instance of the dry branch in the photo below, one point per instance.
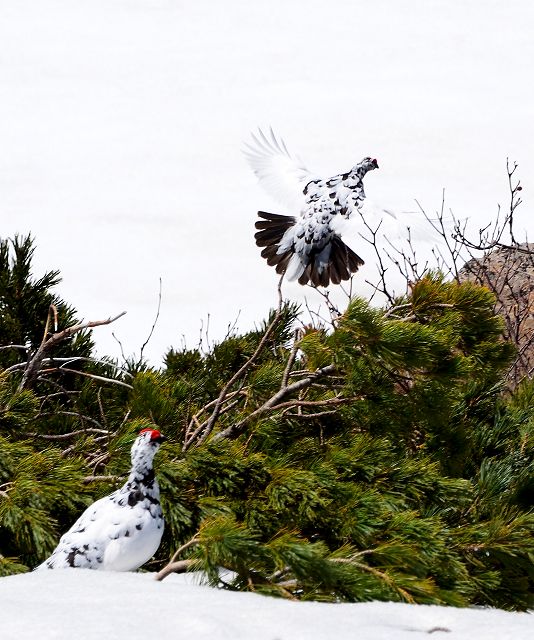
(65, 436)
(273, 403)
(203, 431)
(178, 566)
(34, 365)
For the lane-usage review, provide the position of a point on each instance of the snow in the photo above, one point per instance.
(121, 123)
(90, 605)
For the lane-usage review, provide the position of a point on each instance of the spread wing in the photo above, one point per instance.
(386, 226)
(281, 174)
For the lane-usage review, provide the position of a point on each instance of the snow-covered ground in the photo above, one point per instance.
(91, 605)
(121, 123)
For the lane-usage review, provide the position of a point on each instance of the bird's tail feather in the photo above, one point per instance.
(333, 263)
(338, 266)
(272, 228)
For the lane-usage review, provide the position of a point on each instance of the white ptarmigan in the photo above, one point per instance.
(119, 532)
(308, 247)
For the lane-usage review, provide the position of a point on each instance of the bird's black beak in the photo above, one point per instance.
(159, 439)
(375, 163)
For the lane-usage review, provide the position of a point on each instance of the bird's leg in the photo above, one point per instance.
(279, 288)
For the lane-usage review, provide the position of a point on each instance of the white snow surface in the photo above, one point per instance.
(121, 124)
(91, 605)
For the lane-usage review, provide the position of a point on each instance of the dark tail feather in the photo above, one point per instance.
(275, 217)
(346, 260)
(343, 261)
(271, 230)
(268, 237)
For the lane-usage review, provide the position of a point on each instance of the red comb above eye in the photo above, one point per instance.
(154, 433)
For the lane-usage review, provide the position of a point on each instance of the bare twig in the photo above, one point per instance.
(181, 566)
(71, 434)
(32, 370)
(291, 358)
(89, 375)
(236, 429)
(153, 324)
(202, 433)
(20, 347)
(89, 479)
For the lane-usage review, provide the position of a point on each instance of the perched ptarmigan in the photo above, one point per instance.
(123, 530)
(307, 247)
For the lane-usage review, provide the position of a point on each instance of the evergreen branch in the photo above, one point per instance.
(34, 365)
(207, 427)
(434, 305)
(382, 575)
(236, 429)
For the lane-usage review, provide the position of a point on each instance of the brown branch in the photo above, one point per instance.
(311, 416)
(20, 347)
(75, 414)
(236, 429)
(153, 324)
(101, 407)
(206, 427)
(194, 421)
(329, 402)
(181, 566)
(64, 436)
(291, 358)
(32, 370)
(88, 375)
(89, 479)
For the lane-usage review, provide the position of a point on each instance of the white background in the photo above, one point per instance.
(121, 124)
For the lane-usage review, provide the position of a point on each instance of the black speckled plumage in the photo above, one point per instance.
(123, 530)
(306, 247)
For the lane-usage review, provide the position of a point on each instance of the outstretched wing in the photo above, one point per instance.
(281, 174)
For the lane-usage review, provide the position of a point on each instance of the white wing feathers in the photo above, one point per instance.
(282, 175)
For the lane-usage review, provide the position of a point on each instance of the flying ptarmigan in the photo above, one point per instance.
(123, 530)
(307, 248)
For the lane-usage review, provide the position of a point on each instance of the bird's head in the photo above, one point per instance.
(152, 436)
(147, 444)
(367, 164)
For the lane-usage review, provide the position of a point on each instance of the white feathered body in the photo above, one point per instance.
(119, 532)
(306, 247)
(316, 226)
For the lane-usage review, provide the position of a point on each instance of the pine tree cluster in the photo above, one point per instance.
(380, 459)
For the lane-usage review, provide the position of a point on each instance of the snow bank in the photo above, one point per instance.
(86, 605)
